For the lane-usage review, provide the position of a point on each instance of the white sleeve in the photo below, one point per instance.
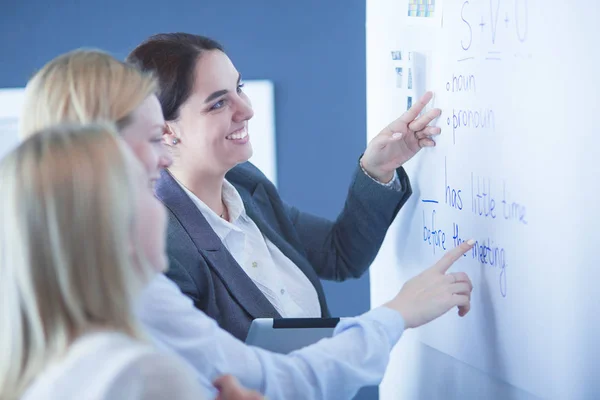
(154, 376)
(334, 368)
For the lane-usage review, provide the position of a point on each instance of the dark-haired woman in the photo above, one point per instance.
(235, 247)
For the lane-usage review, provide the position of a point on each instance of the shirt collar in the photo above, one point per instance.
(233, 202)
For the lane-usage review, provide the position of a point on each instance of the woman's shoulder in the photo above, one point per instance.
(93, 365)
(155, 376)
(246, 177)
(247, 174)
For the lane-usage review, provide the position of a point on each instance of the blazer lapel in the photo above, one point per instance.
(209, 245)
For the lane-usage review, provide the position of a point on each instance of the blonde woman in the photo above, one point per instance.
(86, 86)
(335, 368)
(72, 263)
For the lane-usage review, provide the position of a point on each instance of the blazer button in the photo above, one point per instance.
(282, 291)
(254, 264)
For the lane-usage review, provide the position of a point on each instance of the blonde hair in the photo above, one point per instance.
(66, 265)
(84, 86)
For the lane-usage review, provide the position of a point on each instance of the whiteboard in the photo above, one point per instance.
(261, 127)
(516, 168)
(11, 101)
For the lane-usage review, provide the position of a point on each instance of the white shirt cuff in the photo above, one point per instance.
(393, 184)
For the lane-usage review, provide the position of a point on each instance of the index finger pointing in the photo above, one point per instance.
(452, 256)
(416, 109)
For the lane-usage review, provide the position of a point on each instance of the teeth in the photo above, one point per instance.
(238, 135)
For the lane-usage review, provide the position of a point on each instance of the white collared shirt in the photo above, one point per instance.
(277, 277)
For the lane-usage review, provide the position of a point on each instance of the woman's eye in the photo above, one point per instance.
(218, 104)
(240, 87)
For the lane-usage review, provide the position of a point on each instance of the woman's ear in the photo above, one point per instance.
(170, 136)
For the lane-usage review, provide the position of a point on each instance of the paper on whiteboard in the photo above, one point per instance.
(425, 13)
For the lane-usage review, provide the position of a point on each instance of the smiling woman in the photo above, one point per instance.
(218, 108)
(235, 248)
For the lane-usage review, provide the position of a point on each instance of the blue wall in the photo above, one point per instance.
(313, 50)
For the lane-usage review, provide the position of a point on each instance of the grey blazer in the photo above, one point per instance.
(334, 250)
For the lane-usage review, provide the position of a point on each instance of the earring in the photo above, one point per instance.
(175, 141)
